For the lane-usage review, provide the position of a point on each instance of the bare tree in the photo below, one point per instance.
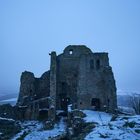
(135, 100)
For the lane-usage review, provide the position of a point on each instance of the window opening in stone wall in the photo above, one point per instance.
(92, 64)
(70, 52)
(98, 64)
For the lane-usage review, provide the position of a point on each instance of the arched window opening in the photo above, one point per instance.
(92, 64)
(98, 64)
(70, 52)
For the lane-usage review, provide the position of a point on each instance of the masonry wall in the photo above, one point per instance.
(67, 75)
(96, 81)
(78, 76)
(33, 95)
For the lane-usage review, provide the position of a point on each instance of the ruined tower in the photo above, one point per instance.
(78, 77)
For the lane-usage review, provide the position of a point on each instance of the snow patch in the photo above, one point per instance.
(96, 116)
(59, 129)
(109, 130)
(70, 108)
(127, 110)
(6, 119)
(11, 101)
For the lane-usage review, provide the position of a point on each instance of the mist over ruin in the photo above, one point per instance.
(30, 30)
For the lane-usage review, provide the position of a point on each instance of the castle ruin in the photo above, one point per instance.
(78, 77)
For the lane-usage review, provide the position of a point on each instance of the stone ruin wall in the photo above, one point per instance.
(34, 95)
(96, 81)
(77, 75)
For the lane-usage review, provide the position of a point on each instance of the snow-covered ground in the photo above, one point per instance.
(96, 116)
(28, 127)
(123, 128)
(3, 119)
(35, 131)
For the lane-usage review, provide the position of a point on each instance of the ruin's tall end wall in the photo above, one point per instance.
(96, 84)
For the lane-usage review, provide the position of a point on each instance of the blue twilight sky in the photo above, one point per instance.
(30, 29)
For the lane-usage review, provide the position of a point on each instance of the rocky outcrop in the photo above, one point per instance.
(8, 128)
(8, 111)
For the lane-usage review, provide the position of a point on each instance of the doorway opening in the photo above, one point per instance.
(65, 101)
(43, 114)
(95, 102)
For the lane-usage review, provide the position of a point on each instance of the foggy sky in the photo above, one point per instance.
(31, 29)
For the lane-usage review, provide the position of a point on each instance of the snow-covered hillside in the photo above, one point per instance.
(129, 101)
(8, 98)
(106, 126)
(34, 131)
(11, 101)
(122, 127)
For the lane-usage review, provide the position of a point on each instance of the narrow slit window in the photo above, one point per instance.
(98, 64)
